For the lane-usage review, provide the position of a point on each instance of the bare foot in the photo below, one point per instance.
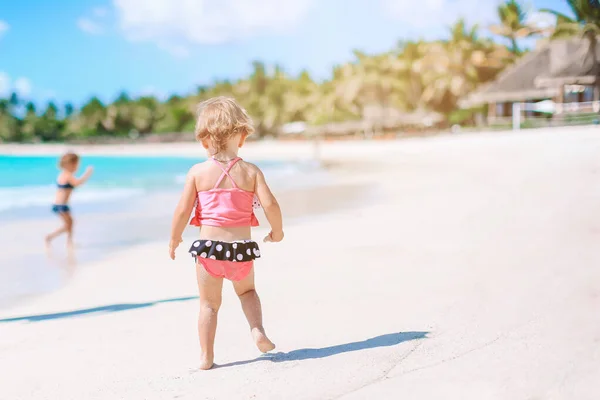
(47, 241)
(206, 363)
(262, 341)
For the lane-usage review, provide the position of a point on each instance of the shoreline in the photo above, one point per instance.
(276, 150)
(299, 204)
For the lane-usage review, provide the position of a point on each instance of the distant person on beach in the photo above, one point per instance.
(65, 183)
(225, 190)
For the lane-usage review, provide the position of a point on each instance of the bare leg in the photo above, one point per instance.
(67, 227)
(210, 301)
(53, 235)
(253, 311)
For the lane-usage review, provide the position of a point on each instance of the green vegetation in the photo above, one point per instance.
(513, 25)
(585, 24)
(414, 76)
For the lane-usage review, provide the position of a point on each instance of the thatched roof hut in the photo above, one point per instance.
(543, 74)
(571, 63)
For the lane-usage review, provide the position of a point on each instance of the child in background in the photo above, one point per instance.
(66, 182)
(223, 190)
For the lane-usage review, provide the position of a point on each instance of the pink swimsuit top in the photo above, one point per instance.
(232, 207)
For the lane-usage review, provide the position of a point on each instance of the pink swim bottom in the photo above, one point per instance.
(234, 271)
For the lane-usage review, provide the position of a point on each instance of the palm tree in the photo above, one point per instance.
(183, 119)
(513, 25)
(272, 101)
(9, 128)
(411, 56)
(14, 99)
(586, 21)
(69, 110)
(121, 114)
(328, 106)
(301, 99)
(148, 111)
(29, 123)
(585, 24)
(48, 127)
(263, 94)
(179, 116)
(453, 68)
(371, 83)
(91, 120)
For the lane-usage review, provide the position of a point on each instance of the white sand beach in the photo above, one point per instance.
(454, 267)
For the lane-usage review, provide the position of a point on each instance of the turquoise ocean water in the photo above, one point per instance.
(127, 202)
(28, 182)
(27, 185)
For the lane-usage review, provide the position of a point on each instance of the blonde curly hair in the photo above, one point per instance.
(68, 159)
(220, 118)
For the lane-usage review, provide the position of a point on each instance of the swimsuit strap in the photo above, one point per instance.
(226, 171)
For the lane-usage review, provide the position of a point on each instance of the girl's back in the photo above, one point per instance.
(207, 174)
(214, 181)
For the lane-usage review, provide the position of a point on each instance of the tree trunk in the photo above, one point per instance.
(515, 46)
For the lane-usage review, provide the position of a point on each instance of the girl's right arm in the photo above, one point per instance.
(80, 181)
(271, 207)
(182, 212)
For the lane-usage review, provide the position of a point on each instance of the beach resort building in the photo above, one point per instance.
(557, 79)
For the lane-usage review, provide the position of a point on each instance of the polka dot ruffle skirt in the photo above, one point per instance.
(225, 251)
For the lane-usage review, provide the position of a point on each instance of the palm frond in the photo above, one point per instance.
(524, 32)
(500, 30)
(578, 7)
(560, 16)
(565, 30)
(590, 30)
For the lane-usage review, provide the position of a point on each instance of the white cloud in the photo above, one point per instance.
(3, 27)
(435, 13)
(89, 26)
(4, 84)
(206, 21)
(23, 87)
(541, 19)
(100, 12)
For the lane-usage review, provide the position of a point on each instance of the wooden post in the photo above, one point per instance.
(491, 112)
(559, 101)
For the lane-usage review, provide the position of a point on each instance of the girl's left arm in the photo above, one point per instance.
(80, 181)
(182, 213)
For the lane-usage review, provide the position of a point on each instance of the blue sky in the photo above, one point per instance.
(69, 50)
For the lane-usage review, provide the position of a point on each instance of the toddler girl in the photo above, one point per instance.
(224, 190)
(66, 182)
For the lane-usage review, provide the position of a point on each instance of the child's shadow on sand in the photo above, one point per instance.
(388, 340)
